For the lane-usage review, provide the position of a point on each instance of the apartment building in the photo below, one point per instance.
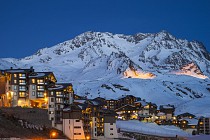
(59, 96)
(204, 125)
(16, 87)
(72, 123)
(98, 121)
(24, 87)
(2, 88)
(38, 88)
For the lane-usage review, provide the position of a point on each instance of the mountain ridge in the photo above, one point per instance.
(157, 66)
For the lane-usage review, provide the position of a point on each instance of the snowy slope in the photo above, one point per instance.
(150, 128)
(157, 67)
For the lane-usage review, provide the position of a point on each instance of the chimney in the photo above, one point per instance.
(11, 68)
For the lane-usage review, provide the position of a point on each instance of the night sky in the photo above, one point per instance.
(29, 25)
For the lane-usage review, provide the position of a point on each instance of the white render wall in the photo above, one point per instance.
(70, 131)
(168, 116)
(108, 133)
(71, 96)
(31, 96)
(94, 127)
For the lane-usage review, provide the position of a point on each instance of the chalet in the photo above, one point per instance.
(168, 110)
(147, 111)
(127, 112)
(189, 125)
(126, 100)
(185, 116)
(111, 104)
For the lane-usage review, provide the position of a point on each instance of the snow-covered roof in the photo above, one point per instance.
(15, 70)
(80, 101)
(39, 74)
(143, 103)
(60, 86)
(150, 128)
(56, 87)
(191, 121)
(160, 114)
(167, 107)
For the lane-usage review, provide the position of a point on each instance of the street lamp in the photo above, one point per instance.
(53, 134)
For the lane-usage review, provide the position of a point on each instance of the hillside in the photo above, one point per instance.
(157, 67)
(25, 123)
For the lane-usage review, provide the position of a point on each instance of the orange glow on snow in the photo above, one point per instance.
(189, 73)
(137, 74)
(191, 69)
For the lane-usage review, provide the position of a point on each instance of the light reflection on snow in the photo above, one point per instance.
(132, 73)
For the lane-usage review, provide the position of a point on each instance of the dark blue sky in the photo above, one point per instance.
(29, 25)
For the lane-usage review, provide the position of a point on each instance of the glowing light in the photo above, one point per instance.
(191, 69)
(53, 134)
(88, 137)
(132, 73)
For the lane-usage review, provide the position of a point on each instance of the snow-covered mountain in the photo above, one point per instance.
(157, 67)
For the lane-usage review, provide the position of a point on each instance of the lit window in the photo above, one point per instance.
(22, 81)
(33, 81)
(51, 93)
(58, 93)
(59, 100)
(40, 81)
(15, 75)
(15, 81)
(22, 94)
(22, 75)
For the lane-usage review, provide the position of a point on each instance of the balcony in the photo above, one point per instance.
(59, 101)
(59, 95)
(40, 96)
(22, 77)
(66, 102)
(22, 95)
(22, 89)
(22, 83)
(40, 89)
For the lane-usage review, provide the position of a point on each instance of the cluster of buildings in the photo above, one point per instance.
(27, 88)
(130, 107)
(81, 118)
